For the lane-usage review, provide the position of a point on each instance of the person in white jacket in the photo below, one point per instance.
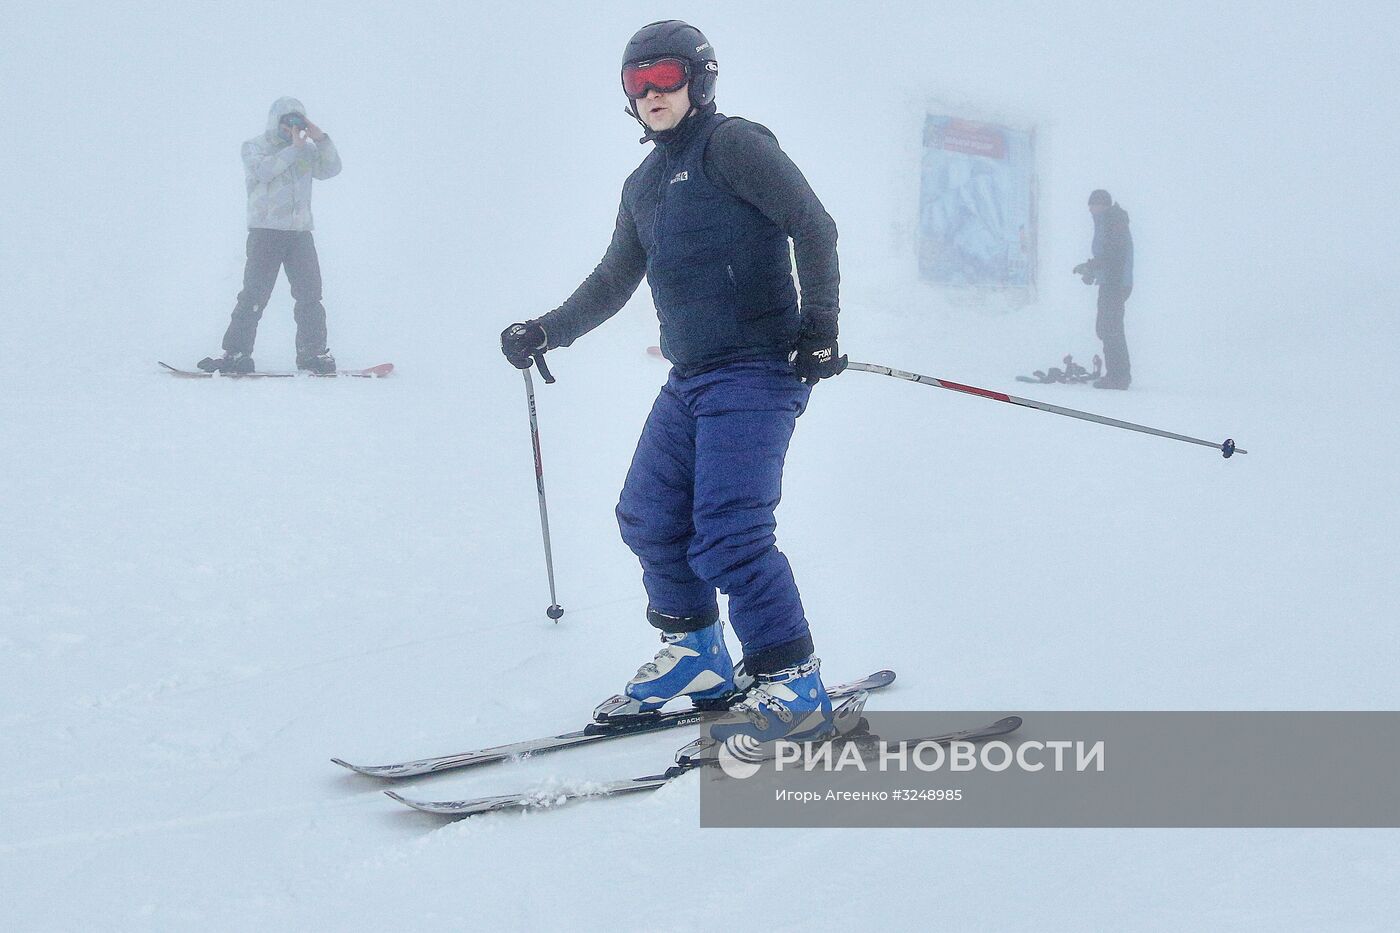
(279, 165)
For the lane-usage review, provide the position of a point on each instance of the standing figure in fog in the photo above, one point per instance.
(706, 219)
(1111, 268)
(279, 165)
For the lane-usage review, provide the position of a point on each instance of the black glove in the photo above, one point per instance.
(817, 356)
(1085, 271)
(520, 343)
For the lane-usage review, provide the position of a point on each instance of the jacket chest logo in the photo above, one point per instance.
(681, 176)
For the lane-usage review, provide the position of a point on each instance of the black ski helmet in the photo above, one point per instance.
(671, 38)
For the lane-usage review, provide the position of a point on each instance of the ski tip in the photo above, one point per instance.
(400, 798)
(380, 371)
(419, 805)
(377, 771)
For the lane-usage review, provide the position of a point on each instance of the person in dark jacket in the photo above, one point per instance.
(1111, 268)
(706, 218)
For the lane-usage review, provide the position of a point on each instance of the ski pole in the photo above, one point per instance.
(1227, 447)
(554, 611)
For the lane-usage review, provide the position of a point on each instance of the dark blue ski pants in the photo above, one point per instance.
(697, 507)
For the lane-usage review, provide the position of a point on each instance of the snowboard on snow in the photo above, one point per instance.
(1071, 373)
(373, 372)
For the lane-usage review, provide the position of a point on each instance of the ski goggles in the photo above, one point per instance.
(663, 74)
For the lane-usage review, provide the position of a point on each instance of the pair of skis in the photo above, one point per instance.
(851, 728)
(849, 699)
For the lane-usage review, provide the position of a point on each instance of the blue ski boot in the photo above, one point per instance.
(693, 664)
(790, 704)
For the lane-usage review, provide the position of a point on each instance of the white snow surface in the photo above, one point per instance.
(210, 588)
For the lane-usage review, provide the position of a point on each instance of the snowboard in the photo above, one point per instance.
(373, 372)
(1071, 373)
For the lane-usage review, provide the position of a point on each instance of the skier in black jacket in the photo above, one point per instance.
(706, 219)
(1112, 269)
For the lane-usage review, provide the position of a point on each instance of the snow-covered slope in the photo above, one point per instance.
(209, 588)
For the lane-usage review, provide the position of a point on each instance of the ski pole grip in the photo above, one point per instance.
(544, 370)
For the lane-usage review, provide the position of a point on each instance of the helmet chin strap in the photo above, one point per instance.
(653, 135)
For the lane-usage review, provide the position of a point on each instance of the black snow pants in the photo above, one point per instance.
(268, 252)
(1109, 327)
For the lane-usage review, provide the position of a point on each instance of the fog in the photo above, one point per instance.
(485, 148)
(207, 589)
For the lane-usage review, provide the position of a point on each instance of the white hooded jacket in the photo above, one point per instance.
(279, 174)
